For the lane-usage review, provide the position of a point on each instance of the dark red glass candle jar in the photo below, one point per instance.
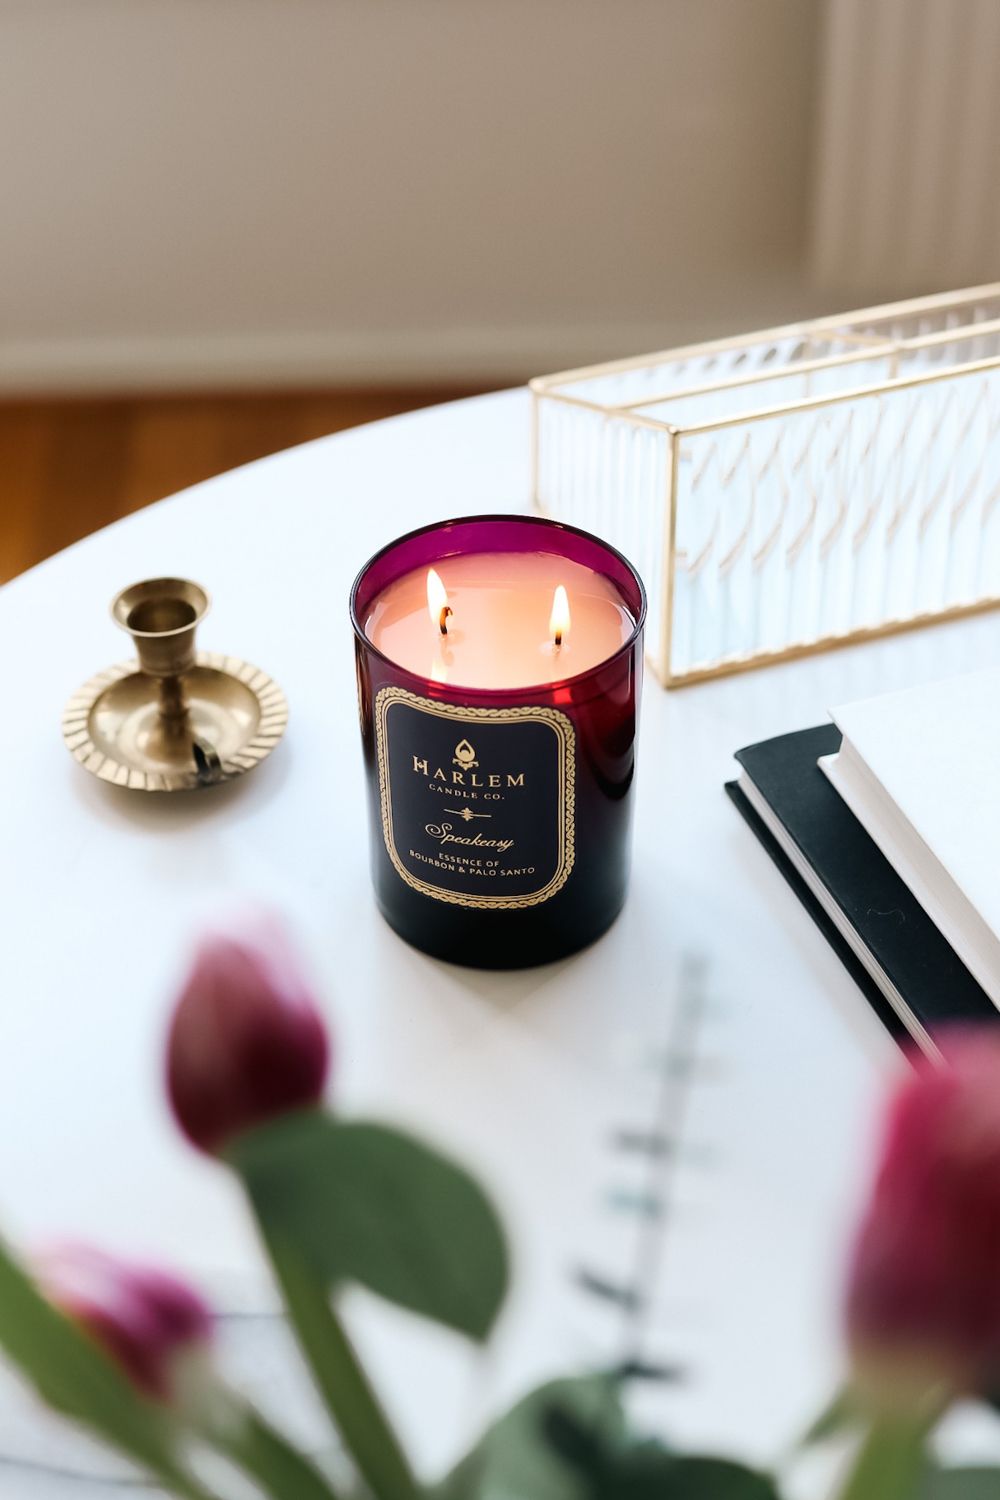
(500, 818)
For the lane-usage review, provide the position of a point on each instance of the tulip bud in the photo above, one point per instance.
(152, 1325)
(246, 1042)
(924, 1292)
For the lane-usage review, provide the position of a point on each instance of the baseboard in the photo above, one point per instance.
(237, 361)
(481, 356)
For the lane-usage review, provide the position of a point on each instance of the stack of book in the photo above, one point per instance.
(886, 823)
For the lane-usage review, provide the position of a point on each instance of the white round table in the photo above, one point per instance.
(527, 1075)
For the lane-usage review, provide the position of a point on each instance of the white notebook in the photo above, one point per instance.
(919, 769)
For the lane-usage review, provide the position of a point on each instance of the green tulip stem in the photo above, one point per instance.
(180, 1483)
(279, 1469)
(350, 1400)
(890, 1461)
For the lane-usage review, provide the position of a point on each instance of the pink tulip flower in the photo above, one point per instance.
(246, 1042)
(924, 1289)
(151, 1324)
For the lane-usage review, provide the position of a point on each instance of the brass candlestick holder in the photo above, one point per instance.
(180, 719)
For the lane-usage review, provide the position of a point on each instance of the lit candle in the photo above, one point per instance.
(560, 618)
(437, 602)
(499, 663)
(493, 619)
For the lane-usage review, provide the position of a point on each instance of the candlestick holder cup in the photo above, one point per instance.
(161, 615)
(178, 719)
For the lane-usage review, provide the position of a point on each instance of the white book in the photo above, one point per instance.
(919, 770)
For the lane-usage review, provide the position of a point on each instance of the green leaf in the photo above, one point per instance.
(517, 1458)
(368, 1204)
(569, 1441)
(73, 1375)
(961, 1484)
(663, 1476)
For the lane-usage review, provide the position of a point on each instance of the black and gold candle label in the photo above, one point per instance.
(477, 803)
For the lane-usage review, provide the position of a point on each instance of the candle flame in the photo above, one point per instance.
(437, 601)
(559, 620)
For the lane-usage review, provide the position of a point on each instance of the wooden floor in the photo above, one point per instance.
(69, 467)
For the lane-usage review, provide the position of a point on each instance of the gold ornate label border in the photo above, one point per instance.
(561, 727)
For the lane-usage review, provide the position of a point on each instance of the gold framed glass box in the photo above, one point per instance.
(788, 491)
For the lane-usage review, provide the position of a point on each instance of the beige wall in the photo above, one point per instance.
(908, 133)
(230, 190)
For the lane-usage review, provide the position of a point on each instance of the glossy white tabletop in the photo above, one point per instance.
(525, 1074)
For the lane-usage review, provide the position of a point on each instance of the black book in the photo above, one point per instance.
(893, 950)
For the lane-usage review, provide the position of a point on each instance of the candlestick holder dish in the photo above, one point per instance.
(177, 719)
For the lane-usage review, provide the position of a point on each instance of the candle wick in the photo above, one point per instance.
(446, 610)
(558, 639)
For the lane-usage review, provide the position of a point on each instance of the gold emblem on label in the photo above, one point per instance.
(465, 756)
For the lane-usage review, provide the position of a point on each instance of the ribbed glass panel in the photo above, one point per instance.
(874, 503)
(820, 523)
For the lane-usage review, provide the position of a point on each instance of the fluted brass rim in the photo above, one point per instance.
(132, 774)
